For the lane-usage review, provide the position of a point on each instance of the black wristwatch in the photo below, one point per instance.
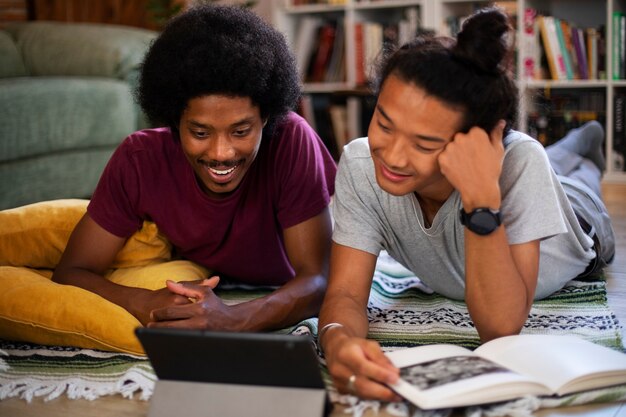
(482, 220)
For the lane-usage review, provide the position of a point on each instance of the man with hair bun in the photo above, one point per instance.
(236, 181)
(478, 211)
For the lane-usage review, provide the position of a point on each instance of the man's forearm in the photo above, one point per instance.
(297, 300)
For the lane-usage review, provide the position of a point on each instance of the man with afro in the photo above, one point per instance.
(235, 180)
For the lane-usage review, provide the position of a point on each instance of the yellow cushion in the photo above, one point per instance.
(35, 309)
(36, 235)
(154, 276)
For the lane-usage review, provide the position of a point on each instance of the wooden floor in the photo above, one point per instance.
(615, 199)
(116, 406)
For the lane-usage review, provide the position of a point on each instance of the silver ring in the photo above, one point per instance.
(350, 385)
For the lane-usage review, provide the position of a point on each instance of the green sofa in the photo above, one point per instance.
(66, 102)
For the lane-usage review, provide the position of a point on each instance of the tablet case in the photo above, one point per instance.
(202, 373)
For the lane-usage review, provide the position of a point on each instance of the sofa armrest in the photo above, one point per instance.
(11, 64)
(80, 49)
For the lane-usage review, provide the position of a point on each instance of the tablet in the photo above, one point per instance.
(260, 359)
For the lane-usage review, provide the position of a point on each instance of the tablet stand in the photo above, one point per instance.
(201, 399)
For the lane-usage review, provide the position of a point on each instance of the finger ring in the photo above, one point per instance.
(350, 385)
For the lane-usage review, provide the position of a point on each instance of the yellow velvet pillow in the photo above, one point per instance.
(35, 309)
(36, 235)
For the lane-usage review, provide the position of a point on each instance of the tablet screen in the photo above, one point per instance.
(267, 359)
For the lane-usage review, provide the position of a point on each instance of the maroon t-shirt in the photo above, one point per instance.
(240, 236)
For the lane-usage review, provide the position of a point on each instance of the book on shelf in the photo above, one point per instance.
(369, 38)
(531, 50)
(619, 132)
(563, 46)
(339, 121)
(592, 52)
(305, 109)
(315, 108)
(552, 48)
(305, 44)
(622, 46)
(323, 53)
(359, 54)
(372, 37)
(372, 45)
(446, 376)
(409, 26)
(617, 63)
(336, 69)
(568, 36)
(578, 42)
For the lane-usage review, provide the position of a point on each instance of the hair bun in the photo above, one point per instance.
(483, 40)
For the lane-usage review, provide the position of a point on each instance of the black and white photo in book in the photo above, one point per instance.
(443, 371)
(445, 376)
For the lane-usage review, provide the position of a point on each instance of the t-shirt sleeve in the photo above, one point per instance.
(305, 171)
(357, 223)
(113, 204)
(531, 208)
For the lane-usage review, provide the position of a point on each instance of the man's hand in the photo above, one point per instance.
(206, 311)
(145, 301)
(364, 362)
(472, 163)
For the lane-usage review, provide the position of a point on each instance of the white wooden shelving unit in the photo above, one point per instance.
(432, 15)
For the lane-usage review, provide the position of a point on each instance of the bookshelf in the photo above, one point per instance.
(547, 106)
(301, 22)
(561, 102)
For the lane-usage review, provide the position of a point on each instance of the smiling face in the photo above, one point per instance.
(409, 129)
(220, 137)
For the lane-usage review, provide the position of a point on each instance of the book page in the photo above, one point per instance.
(438, 376)
(563, 363)
(419, 354)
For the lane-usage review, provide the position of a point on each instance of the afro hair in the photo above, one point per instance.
(212, 49)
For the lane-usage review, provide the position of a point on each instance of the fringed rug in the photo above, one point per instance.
(402, 312)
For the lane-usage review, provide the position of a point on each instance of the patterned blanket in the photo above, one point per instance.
(402, 312)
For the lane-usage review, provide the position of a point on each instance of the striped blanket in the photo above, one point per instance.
(402, 312)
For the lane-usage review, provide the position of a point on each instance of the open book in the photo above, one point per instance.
(445, 376)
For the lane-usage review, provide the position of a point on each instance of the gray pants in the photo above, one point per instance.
(579, 162)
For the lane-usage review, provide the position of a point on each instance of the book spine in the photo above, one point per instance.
(592, 52)
(531, 59)
(578, 40)
(306, 43)
(569, 47)
(616, 36)
(622, 46)
(324, 52)
(306, 110)
(565, 59)
(548, 47)
(334, 70)
(619, 132)
(339, 121)
(373, 43)
(359, 56)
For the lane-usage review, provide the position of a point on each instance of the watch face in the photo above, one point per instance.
(483, 222)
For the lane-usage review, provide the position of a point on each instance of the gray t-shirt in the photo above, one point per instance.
(534, 206)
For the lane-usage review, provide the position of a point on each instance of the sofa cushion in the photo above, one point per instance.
(11, 64)
(71, 174)
(103, 50)
(43, 115)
